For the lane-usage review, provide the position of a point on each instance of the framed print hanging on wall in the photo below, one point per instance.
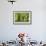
(22, 17)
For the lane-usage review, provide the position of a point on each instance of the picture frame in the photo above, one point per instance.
(22, 17)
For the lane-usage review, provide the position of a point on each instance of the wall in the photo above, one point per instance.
(9, 31)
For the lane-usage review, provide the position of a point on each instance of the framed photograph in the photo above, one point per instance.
(22, 17)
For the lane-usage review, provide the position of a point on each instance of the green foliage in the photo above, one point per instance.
(22, 17)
